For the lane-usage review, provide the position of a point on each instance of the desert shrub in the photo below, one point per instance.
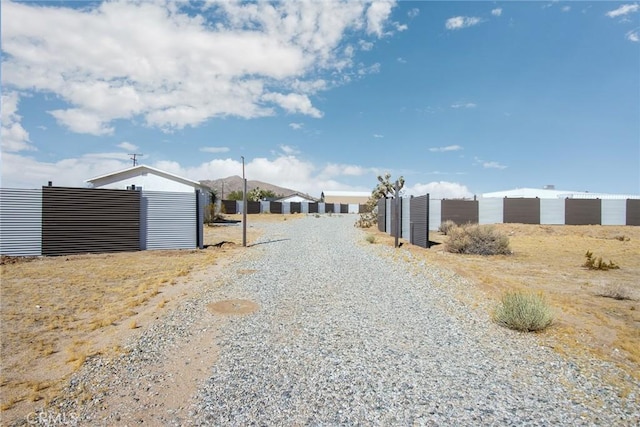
(593, 263)
(477, 240)
(370, 238)
(525, 312)
(446, 226)
(617, 292)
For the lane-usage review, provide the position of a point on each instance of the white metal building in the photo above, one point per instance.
(346, 197)
(551, 193)
(146, 178)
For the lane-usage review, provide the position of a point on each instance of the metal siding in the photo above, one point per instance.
(582, 211)
(304, 207)
(20, 222)
(393, 230)
(253, 207)
(82, 220)
(405, 231)
(522, 211)
(551, 211)
(419, 221)
(435, 214)
(276, 207)
(329, 208)
(168, 220)
(614, 212)
(382, 215)
(354, 208)
(389, 216)
(295, 207)
(286, 207)
(460, 211)
(633, 212)
(313, 208)
(230, 206)
(344, 208)
(321, 208)
(265, 206)
(490, 211)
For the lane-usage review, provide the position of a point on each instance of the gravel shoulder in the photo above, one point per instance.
(345, 333)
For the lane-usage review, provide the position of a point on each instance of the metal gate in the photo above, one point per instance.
(419, 218)
(168, 220)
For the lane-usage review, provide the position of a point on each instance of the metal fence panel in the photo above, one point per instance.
(314, 208)
(329, 208)
(276, 207)
(321, 208)
(265, 206)
(490, 211)
(82, 220)
(614, 212)
(633, 212)
(253, 207)
(460, 211)
(168, 220)
(419, 221)
(582, 211)
(522, 211)
(344, 208)
(295, 207)
(382, 215)
(389, 216)
(406, 218)
(435, 214)
(551, 211)
(353, 208)
(20, 222)
(286, 207)
(230, 207)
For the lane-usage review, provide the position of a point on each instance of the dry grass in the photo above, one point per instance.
(57, 312)
(549, 259)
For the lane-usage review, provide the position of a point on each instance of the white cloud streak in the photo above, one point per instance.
(445, 149)
(128, 146)
(215, 150)
(460, 22)
(14, 137)
(497, 11)
(464, 105)
(440, 190)
(633, 36)
(623, 10)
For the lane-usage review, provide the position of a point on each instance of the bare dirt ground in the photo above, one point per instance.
(58, 311)
(549, 259)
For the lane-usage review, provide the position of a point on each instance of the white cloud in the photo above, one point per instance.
(128, 146)
(445, 149)
(413, 12)
(169, 66)
(333, 169)
(400, 27)
(215, 149)
(296, 126)
(377, 135)
(440, 190)
(365, 45)
(497, 11)
(623, 10)
(464, 105)
(14, 137)
(633, 36)
(493, 165)
(289, 150)
(566, 8)
(459, 22)
(402, 60)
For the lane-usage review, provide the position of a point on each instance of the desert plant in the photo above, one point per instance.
(477, 240)
(522, 311)
(446, 226)
(385, 187)
(370, 238)
(617, 292)
(593, 263)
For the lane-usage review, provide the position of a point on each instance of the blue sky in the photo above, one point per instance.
(460, 98)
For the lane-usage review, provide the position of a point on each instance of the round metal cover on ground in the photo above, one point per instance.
(233, 306)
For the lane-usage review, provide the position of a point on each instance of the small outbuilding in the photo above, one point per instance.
(346, 197)
(296, 197)
(146, 178)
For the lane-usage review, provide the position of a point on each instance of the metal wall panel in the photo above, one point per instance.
(321, 208)
(490, 211)
(304, 207)
(230, 206)
(295, 207)
(582, 211)
(419, 221)
(354, 208)
(395, 216)
(168, 220)
(329, 208)
(81, 220)
(265, 206)
(633, 212)
(460, 211)
(551, 211)
(522, 211)
(406, 218)
(253, 207)
(614, 212)
(286, 207)
(435, 216)
(382, 215)
(313, 208)
(20, 222)
(389, 216)
(276, 207)
(344, 208)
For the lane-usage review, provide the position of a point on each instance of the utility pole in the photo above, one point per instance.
(244, 207)
(133, 157)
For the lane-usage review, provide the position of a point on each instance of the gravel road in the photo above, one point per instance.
(346, 335)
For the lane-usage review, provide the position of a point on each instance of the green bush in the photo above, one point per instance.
(370, 238)
(593, 263)
(525, 312)
(477, 240)
(446, 226)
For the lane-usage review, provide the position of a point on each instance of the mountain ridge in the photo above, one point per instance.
(224, 186)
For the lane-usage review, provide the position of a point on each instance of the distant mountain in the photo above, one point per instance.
(224, 186)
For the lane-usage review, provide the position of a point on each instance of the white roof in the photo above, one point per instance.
(140, 169)
(335, 193)
(543, 193)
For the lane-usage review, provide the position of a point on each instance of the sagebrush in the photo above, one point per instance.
(523, 311)
(477, 240)
(446, 226)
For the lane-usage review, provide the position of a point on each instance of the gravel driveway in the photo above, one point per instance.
(345, 335)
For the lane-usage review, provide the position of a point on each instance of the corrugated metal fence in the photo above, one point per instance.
(168, 220)
(20, 222)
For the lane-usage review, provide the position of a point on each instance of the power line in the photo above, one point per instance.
(133, 157)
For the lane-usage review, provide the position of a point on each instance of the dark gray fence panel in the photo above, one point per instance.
(419, 219)
(81, 220)
(382, 215)
(460, 211)
(633, 212)
(253, 207)
(329, 208)
(395, 212)
(295, 207)
(169, 220)
(313, 208)
(522, 211)
(344, 208)
(276, 207)
(582, 211)
(230, 206)
(20, 222)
